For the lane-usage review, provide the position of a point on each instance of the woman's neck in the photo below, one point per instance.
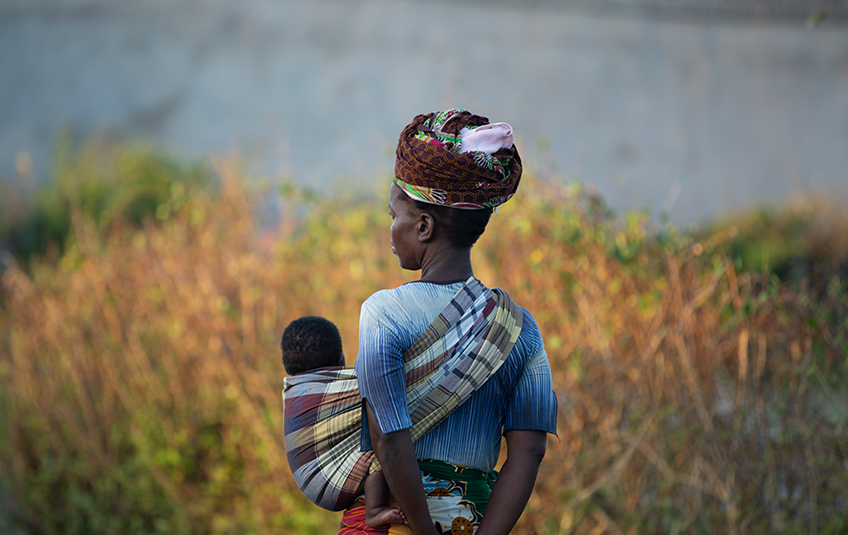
(447, 265)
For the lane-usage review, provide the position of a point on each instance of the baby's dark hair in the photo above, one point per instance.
(311, 342)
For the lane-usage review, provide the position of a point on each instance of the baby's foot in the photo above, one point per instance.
(381, 516)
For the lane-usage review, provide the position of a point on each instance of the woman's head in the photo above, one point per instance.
(461, 228)
(452, 169)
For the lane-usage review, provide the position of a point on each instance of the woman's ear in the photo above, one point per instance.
(426, 227)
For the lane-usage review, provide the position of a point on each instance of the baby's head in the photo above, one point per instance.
(311, 342)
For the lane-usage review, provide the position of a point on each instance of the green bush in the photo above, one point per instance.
(101, 183)
(806, 239)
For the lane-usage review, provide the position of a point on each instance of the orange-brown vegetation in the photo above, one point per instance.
(140, 373)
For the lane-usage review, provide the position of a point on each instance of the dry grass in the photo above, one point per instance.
(693, 399)
(141, 374)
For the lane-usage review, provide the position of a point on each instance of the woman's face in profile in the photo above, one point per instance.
(405, 219)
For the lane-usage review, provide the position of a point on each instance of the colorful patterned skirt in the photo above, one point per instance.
(456, 496)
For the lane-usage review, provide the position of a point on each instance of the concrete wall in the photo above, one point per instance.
(724, 113)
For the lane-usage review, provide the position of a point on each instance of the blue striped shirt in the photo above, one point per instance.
(518, 396)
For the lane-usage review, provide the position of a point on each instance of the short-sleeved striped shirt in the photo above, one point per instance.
(518, 396)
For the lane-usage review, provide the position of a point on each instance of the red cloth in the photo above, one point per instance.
(353, 522)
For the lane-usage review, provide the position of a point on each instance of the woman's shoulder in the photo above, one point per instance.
(527, 315)
(407, 308)
(530, 338)
(412, 295)
(389, 298)
(530, 333)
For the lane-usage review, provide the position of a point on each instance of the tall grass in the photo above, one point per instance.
(141, 373)
(693, 398)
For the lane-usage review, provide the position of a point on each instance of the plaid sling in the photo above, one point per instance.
(456, 354)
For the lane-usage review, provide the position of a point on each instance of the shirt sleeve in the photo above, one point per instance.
(533, 405)
(379, 369)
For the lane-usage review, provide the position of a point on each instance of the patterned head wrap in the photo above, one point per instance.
(432, 165)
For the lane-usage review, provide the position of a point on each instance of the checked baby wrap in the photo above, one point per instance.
(460, 350)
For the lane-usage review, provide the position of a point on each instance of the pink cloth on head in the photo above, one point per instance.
(487, 138)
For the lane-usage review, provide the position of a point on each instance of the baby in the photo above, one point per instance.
(313, 342)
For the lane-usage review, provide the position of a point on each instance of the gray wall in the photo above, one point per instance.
(723, 112)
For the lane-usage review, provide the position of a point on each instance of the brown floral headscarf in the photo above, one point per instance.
(433, 166)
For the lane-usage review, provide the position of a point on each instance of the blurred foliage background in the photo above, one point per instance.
(701, 376)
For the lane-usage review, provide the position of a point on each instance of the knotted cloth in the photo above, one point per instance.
(431, 165)
(464, 346)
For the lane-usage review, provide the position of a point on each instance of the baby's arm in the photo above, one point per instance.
(377, 510)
